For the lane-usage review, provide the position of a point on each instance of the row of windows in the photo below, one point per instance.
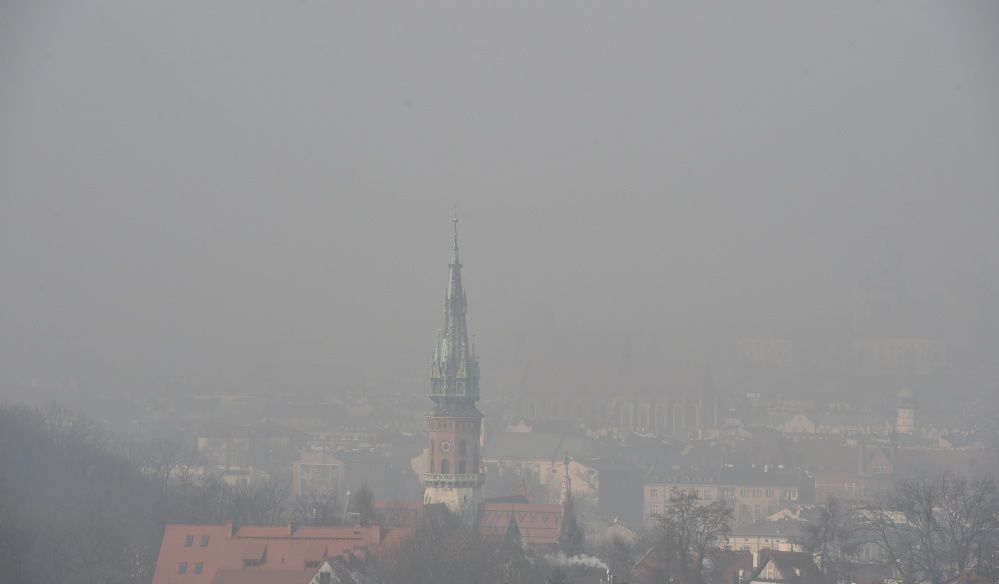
(729, 493)
(189, 541)
(453, 426)
(769, 493)
(182, 568)
(462, 468)
(705, 495)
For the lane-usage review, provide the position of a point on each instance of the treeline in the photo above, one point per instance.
(924, 529)
(77, 506)
(921, 530)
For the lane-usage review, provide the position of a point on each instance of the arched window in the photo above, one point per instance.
(461, 466)
(444, 467)
(461, 448)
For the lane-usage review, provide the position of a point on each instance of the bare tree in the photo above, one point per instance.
(691, 532)
(832, 537)
(445, 550)
(363, 503)
(932, 529)
(316, 509)
(164, 459)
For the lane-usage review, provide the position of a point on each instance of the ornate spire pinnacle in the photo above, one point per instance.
(454, 372)
(454, 250)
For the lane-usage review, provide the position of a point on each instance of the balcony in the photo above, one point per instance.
(452, 480)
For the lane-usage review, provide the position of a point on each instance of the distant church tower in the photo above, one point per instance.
(905, 417)
(454, 424)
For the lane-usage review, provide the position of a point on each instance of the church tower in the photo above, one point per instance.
(454, 477)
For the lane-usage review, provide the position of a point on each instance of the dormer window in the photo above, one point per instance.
(204, 541)
(182, 568)
(188, 540)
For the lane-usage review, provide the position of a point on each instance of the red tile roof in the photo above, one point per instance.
(538, 523)
(252, 549)
(263, 577)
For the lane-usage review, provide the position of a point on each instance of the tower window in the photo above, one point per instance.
(461, 466)
(461, 448)
(444, 467)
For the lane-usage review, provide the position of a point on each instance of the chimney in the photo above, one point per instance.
(291, 529)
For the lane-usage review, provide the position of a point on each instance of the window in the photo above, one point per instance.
(461, 448)
(756, 492)
(707, 495)
(204, 541)
(757, 510)
(461, 465)
(182, 568)
(198, 567)
(653, 509)
(188, 540)
(444, 467)
(653, 493)
(744, 492)
(770, 492)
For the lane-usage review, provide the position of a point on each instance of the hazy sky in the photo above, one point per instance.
(256, 195)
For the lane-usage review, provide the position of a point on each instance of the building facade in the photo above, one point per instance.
(752, 493)
(317, 473)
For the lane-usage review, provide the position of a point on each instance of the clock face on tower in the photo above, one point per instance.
(445, 446)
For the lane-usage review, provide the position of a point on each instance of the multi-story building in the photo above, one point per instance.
(752, 492)
(317, 473)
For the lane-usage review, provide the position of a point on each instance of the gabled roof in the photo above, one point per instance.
(793, 568)
(726, 566)
(538, 524)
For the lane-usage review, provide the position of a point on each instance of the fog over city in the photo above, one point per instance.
(677, 221)
(257, 195)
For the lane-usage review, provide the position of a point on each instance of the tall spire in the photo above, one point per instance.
(454, 372)
(566, 495)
